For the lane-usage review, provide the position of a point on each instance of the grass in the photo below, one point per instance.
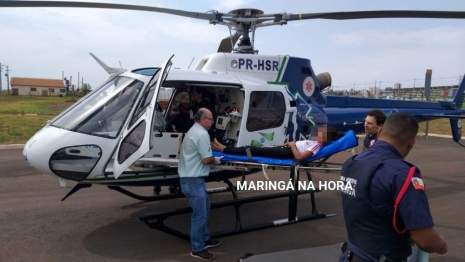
(17, 129)
(438, 126)
(22, 116)
(34, 104)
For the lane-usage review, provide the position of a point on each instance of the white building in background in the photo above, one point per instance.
(21, 86)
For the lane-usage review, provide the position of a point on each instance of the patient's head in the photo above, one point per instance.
(325, 134)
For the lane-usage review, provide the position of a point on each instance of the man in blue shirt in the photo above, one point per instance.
(194, 165)
(387, 209)
(373, 122)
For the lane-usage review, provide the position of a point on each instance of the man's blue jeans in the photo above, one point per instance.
(194, 189)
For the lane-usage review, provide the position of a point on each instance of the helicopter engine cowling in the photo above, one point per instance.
(324, 79)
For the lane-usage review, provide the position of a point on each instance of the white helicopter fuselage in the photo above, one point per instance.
(104, 133)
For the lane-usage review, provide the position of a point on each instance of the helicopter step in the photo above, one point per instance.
(156, 221)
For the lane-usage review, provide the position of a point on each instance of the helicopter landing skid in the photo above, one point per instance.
(76, 188)
(161, 197)
(156, 221)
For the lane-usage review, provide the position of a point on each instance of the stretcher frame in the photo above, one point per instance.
(156, 220)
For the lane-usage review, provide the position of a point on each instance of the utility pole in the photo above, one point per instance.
(428, 75)
(1, 66)
(7, 74)
(378, 90)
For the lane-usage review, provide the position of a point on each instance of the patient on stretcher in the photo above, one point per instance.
(298, 150)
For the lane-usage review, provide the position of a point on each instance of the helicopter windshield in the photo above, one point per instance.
(103, 113)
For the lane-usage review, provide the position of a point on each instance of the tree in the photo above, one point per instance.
(86, 88)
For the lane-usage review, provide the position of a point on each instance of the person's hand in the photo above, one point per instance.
(218, 160)
(444, 248)
(292, 143)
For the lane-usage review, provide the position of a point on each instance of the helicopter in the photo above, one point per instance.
(257, 100)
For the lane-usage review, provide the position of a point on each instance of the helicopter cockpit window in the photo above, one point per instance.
(266, 110)
(103, 113)
(146, 71)
(131, 142)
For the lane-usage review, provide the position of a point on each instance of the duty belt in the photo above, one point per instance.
(352, 257)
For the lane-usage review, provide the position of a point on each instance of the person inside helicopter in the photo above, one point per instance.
(183, 120)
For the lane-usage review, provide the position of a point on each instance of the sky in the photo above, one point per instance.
(362, 53)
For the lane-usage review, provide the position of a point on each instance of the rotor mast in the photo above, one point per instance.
(245, 20)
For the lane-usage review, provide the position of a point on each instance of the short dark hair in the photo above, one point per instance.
(401, 127)
(200, 90)
(378, 115)
(331, 133)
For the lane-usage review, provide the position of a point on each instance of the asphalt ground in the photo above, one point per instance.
(98, 224)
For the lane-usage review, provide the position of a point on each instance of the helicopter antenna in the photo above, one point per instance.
(191, 62)
(120, 64)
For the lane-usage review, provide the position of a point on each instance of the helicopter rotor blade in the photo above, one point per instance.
(217, 17)
(375, 14)
(245, 19)
(203, 16)
(225, 44)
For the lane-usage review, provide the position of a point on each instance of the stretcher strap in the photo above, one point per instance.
(264, 168)
(249, 154)
(296, 169)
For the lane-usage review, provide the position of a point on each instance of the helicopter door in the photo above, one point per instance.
(138, 131)
(267, 110)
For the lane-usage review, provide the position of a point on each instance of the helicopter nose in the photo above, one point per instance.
(34, 152)
(29, 154)
(25, 153)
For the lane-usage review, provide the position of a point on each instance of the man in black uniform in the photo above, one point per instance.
(387, 209)
(373, 122)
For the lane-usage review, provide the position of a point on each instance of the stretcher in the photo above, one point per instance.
(316, 162)
(249, 163)
(349, 140)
